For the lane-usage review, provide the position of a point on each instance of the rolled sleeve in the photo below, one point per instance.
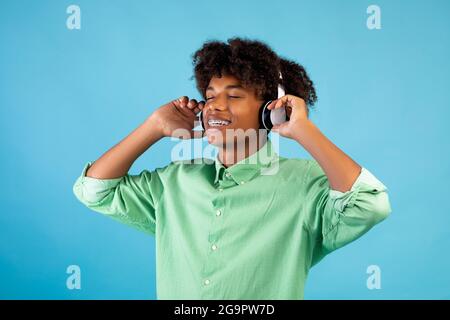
(339, 218)
(131, 199)
(365, 182)
(91, 190)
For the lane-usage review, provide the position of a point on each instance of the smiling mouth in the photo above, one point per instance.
(218, 123)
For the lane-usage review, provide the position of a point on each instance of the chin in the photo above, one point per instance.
(216, 139)
(222, 137)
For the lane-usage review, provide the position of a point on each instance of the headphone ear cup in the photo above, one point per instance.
(264, 116)
(278, 116)
(201, 120)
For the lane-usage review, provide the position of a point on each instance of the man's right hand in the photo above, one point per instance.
(178, 114)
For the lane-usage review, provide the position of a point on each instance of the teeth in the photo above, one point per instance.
(218, 123)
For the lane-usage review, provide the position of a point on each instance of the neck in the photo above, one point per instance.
(229, 155)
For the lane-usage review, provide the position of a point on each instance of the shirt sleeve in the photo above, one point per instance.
(131, 199)
(336, 218)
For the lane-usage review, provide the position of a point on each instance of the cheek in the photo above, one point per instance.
(246, 116)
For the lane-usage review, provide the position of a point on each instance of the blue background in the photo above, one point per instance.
(66, 96)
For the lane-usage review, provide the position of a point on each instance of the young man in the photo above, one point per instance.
(251, 224)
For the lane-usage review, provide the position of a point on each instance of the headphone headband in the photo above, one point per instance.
(281, 91)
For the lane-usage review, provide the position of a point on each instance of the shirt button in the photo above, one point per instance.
(242, 182)
(228, 174)
(220, 189)
(218, 213)
(206, 282)
(214, 247)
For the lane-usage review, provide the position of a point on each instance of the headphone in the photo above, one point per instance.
(267, 118)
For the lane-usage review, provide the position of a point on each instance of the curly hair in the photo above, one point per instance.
(255, 65)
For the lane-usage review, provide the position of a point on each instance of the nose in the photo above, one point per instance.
(219, 103)
(215, 106)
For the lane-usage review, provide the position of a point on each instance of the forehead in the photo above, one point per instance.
(226, 82)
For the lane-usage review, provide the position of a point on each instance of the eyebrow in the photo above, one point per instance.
(231, 86)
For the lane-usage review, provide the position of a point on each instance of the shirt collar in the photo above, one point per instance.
(247, 168)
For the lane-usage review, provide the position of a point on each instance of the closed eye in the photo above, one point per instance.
(236, 97)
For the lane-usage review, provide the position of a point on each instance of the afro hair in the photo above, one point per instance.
(255, 65)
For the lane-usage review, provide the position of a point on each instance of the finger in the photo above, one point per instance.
(195, 106)
(180, 102)
(277, 103)
(192, 104)
(281, 102)
(183, 100)
(184, 103)
(199, 107)
(178, 108)
(285, 101)
(183, 109)
(270, 106)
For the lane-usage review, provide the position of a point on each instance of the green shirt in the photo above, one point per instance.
(249, 231)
